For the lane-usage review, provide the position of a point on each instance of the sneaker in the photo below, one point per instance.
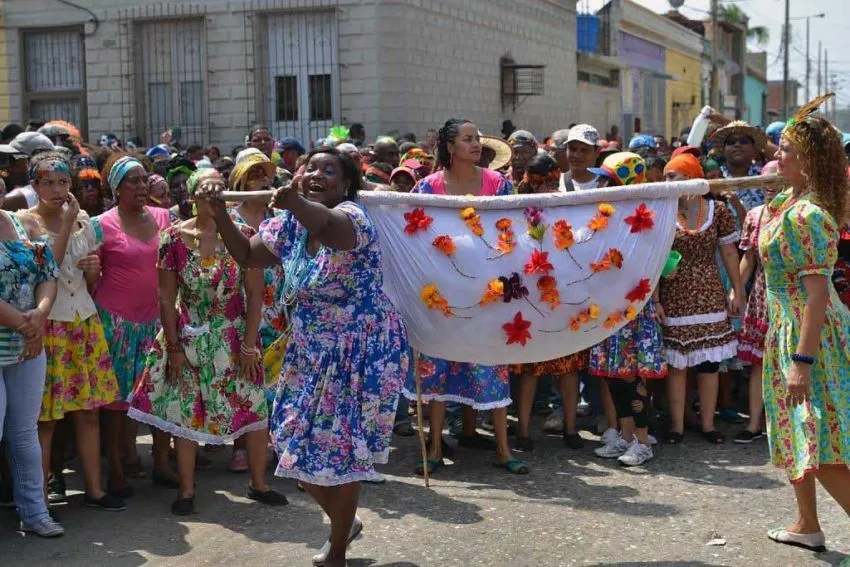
(554, 421)
(56, 489)
(356, 528)
(636, 455)
(652, 440)
(44, 528)
(105, 502)
(613, 450)
(583, 409)
(746, 436)
(238, 461)
(610, 436)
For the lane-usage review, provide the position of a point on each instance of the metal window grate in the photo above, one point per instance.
(519, 82)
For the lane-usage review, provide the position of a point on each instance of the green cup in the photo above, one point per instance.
(672, 262)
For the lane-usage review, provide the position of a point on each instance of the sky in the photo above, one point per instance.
(831, 31)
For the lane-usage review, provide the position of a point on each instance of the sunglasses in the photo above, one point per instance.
(741, 140)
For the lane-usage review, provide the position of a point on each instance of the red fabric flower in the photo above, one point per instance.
(444, 244)
(417, 220)
(641, 220)
(640, 291)
(517, 330)
(539, 263)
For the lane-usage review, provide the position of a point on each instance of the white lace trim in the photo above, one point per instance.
(745, 347)
(191, 434)
(381, 458)
(457, 399)
(701, 319)
(729, 334)
(682, 360)
(729, 239)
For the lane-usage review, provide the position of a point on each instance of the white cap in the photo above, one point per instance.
(584, 133)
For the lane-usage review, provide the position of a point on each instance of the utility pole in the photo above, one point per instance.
(786, 40)
(826, 77)
(713, 90)
(820, 52)
(808, 61)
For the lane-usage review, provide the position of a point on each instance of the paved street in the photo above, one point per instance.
(573, 509)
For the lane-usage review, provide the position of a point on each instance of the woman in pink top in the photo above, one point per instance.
(126, 298)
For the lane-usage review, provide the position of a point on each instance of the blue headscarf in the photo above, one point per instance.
(774, 131)
(119, 169)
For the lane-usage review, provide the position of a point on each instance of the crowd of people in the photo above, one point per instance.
(133, 293)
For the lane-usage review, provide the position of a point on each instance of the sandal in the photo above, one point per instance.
(514, 466)
(525, 444)
(674, 438)
(714, 437)
(432, 467)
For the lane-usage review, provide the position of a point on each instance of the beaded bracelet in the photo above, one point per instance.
(173, 348)
(248, 350)
(803, 359)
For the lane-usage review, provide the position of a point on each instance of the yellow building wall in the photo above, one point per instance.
(683, 91)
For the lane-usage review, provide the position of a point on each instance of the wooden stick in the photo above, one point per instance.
(419, 418)
(247, 196)
(734, 184)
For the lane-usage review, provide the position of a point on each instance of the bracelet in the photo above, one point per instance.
(173, 348)
(248, 350)
(802, 358)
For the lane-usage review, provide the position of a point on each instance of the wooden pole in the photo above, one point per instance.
(420, 418)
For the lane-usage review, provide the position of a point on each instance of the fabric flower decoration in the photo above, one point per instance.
(600, 219)
(506, 242)
(539, 263)
(513, 288)
(417, 220)
(432, 298)
(641, 220)
(517, 330)
(533, 216)
(548, 288)
(613, 320)
(630, 313)
(640, 291)
(472, 220)
(612, 258)
(563, 233)
(495, 292)
(446, 245)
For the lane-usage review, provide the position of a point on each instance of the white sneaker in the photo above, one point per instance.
(610, 436)
(554, 422)
(613, 450)
(48, 527)
(356, 528)
(652, 440)
(636, 455)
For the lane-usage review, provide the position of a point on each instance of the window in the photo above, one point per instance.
(192, 103)
(54, 76)
(320, 97)
(286, 88)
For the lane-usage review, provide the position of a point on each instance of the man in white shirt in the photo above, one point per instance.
(582, 153)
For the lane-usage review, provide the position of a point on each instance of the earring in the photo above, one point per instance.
(451, 160)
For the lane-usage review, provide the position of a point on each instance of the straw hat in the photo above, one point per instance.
(500, 148)
(239, 175)
(739, 128)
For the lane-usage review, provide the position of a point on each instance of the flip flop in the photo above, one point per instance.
(432, 467)
(514, 466)
(813, 542)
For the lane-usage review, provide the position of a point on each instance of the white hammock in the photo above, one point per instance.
(599, 282)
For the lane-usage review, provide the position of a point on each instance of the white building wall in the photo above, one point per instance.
(404, 65)
(599, 106)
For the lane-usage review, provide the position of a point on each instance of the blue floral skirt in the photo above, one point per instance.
(129, 345)
(476, 385)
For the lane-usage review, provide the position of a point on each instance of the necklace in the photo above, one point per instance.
(296, 274)
(683, 222)
(196, 235)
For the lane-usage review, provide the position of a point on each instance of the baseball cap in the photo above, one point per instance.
(642, 141)
(12, 151)
(522, 138)
(290, 143)
(584, 133)
(30, 142)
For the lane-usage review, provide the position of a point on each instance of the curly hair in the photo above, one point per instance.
(446, 135)
(823, 160)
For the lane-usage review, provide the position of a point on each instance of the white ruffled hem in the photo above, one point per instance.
(381, 458)
(457, 399)
(743, 347)
(191, 434)
(700, 319)
(691, 359)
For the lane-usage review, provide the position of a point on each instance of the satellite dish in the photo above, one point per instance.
(676, 4)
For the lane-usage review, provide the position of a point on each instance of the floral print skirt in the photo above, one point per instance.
(129, 344)
(79, 368)
(557, 367)
(635, 351)
(481, 387)
(751, 337)
(211, 402)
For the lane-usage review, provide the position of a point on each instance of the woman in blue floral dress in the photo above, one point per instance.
(475, 385)
(336, 399)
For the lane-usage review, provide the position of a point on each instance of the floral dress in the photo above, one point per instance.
(696, 325)
(346, 358)
(481, 387)
(212, 402)
(751, 337)
(841, 275)
(799, 239)
(80, 375)
(24, 265)
(635, 351)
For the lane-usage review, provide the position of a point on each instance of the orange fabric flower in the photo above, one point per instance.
(612, 258)
(506, 241)
(616, 257)
(598, 222)
(546, 283)
(640, 291)
(539, 263)
(517, 330)
(495, 292)
(613, 320)
(563, 232)
(641, 220)
(472, 220)
(548, 288)
(445, 244)
(601, 266)
(417, 220)
(504, 224)
(575, 324)
(431, 297)
(593, 311)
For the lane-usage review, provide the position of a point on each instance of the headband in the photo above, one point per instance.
(179, 169)
(155, 178)
(686, 164)
(120, 168)
(50, 165)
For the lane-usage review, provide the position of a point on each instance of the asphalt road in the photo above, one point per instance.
(573, 509)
